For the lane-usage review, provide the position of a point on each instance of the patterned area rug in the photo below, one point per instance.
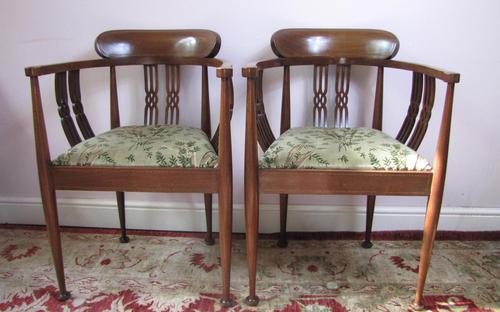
(175, 273)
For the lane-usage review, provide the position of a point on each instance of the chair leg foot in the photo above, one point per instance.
(124, 239)
(366, 244)
(417, 306)
(252, 301)
(226, 303)
(209, 241)
(63, 295)
(282, 243)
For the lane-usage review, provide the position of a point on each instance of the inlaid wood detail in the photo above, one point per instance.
(151, 98)
(342, 80)
(414, 107)
(425, 114)
(76, 99)
(320, 89)
(173, 85)
(62, 102)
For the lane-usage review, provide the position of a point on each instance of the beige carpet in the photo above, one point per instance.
(180, 273)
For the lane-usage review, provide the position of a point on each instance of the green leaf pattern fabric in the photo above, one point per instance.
(164, 146)
(341, 148)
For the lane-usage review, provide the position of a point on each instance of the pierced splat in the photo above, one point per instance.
(425, 114)
(411, 116)
(265, 134)
(75, 95)
(342, 80)
(320, 89)
(151, 99)
(62, 102)
(173, 85)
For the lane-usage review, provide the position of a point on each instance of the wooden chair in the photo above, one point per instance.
(342, 160)
(165, 158)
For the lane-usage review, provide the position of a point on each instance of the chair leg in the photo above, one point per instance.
(225, 232)
(430, 228)
(252, 228)
(370, 208)
(209, 240)
(120, 200)
(51, 219)
(283, 242)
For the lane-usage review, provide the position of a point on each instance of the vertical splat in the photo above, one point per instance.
(266, 136)
(342, 80)
(173, 84)
(425, 114)
(75, 95)
(62, 102)
(151, 99)
(205, 103)
(411, 116)
(320, 89)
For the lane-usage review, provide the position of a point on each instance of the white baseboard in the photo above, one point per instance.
(189, 217)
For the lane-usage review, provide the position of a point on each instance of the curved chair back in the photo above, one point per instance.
(347, 43)
(168, 43)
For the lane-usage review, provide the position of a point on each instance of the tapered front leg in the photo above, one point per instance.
(283, 241)
(51, 219)
(370, 209)
(430, 228)
(251, 186)
(209, 239)
(120, 200)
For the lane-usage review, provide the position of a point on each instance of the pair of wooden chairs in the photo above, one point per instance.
(310, 160)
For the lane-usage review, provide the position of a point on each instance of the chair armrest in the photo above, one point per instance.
(68, 66)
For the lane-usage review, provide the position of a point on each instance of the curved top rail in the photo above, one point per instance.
(169, 43)
(447, 76)
(348, 43)
(55, 68)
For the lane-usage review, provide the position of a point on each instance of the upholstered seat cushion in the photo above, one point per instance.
(165, 146)
(341, 148)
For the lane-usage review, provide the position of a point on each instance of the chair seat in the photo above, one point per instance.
(341, 148)
(163, 146)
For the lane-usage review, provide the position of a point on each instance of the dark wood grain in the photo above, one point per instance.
(320, 90)
(177, 43)
(348, 43)
(151, 98)
(67, 122)
(342, 82)
(413, 108)
(172, 82)
(76, 99)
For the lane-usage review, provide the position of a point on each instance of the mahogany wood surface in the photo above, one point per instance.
(348, 43)
(343, 49)
(178, 43)
(149, 49)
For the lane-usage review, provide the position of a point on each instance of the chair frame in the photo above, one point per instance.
(135, 179)
(333, 181)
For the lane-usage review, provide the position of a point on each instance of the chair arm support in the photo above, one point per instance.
(225, 70)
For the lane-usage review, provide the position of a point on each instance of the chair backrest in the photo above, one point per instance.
(169, 43)
(338, 44)
(183, 43)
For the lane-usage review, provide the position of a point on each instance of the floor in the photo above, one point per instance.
(178, 272)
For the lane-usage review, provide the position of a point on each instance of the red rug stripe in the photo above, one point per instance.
(378, 235)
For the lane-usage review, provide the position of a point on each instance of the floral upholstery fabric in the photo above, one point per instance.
(165, 146)
(341, 148)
